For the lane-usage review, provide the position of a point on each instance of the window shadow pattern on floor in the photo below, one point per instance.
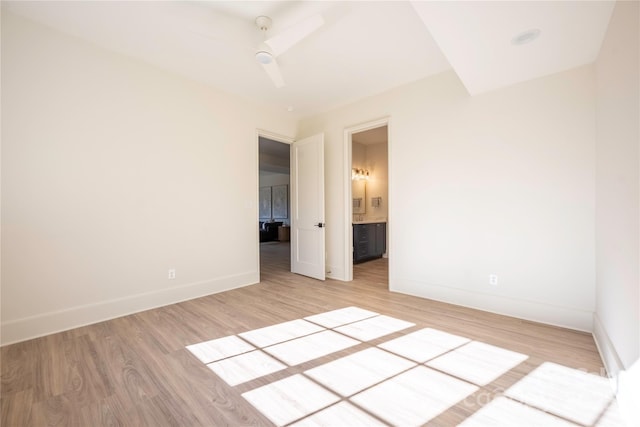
(405, 381)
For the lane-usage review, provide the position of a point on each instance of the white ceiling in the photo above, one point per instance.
(363, 49)
(476, 37)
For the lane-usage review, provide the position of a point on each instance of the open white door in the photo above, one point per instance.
(307, 209)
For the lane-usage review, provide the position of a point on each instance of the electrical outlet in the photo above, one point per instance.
(172, 274)
(493, 279)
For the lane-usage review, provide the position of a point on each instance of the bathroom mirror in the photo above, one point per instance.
(358, 194)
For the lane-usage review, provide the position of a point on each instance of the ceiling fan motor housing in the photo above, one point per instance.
(263, 22)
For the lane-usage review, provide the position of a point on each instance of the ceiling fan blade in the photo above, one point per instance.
(286, 39)
(273, 70)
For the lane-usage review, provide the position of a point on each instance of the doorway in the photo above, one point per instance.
(368, 228)
(294, 205)
(274, 206)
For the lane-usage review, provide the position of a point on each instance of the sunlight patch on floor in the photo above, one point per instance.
(414, 397)
(311, 347)
(570, 393)
(424, 344)
(342, 316)
(245, 367)
(506, 412)
(351, 374)
(478, 362)
(340, 414)
(290, 399)
(280, 333)
(218, 349)
(374, 327)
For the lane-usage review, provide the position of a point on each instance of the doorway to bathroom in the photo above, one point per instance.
(368, 205)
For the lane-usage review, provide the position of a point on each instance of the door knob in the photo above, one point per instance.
(319, 225)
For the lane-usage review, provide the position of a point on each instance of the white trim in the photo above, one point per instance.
(274, 136)
(348, 233)
(335, 272)
(565, 317)
(608, 353)
(57, 321)
(348, 218)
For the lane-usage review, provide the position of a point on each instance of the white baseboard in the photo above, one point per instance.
(56, 321)
(566, 317)
(608, 353)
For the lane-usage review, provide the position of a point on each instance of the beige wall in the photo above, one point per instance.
(359, 187)
(617, 321)
(113, 172)
(373, 157)
(377, 185)
(358, 155)
(501, 183)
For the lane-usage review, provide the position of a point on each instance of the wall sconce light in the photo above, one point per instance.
(358, 174)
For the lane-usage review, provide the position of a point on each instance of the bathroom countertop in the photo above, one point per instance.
(370, 221)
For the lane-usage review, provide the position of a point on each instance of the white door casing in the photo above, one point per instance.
(307, 209)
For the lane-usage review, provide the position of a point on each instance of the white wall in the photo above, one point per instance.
(114, 171)
(499, 183)
(617, 319)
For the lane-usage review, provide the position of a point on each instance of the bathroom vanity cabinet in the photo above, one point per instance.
(369, 241)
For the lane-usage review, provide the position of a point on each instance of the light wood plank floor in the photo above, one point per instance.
(135, 370)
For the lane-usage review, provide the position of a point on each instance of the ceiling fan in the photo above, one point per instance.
(276, 45)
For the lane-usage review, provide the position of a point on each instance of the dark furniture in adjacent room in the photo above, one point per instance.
(269, 231)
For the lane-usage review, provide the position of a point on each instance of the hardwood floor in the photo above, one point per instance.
(135, 370)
